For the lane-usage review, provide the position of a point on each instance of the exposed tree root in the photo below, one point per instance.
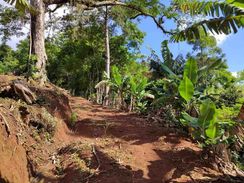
(98, 167)
(24, 92)
(97, 158)
(7, 127)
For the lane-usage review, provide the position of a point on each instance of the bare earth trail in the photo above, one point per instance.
(130, 150)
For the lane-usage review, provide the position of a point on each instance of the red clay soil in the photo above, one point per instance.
(104, 146)
(11, 151)
(130, 150)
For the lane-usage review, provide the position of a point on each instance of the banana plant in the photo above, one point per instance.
(119, 83)
(186, 87)
(206, 123)
(137, 90)
(188, 84)
(205, 126)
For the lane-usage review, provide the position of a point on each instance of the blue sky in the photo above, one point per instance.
(232, 45)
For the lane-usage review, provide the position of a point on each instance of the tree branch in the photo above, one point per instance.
(94, 4)
(133, 7)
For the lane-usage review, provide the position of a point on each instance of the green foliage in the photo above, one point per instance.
(206, 128)
(224, 18)
(191, 69)
(238, 3)
(169, 66)
(207, 92)
(78, 64)
(137, 87)
(228, 113)
(240, 76)
(73, 119)
(230, 96)
(21, 5)
(16, 61)
(119, 82)
(11, 22)
(8, 62)
(117, 78)
(166, 54)
(207, 113)
(186, 88)
(128, 84)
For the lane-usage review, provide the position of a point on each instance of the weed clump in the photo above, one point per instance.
(73, 119)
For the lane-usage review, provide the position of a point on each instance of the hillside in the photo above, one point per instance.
(60, 138)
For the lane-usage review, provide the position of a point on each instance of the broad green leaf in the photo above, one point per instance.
(168, 70)
(211, 131)
(186, 89)
(190, 70)
(207, 113)
(191, 121)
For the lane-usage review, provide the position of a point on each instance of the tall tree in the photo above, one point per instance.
(139, 8)
(231, 19)
(107, 46)
(38, 39)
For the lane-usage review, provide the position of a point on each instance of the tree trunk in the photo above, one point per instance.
(29, 57)
(107, 54)
(38, 40)
(131, 103)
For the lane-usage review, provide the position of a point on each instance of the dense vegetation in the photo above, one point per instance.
(193, 92)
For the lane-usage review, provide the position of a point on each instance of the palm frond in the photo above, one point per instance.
(238, 3)
(225, 18)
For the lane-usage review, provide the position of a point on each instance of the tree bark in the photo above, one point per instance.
(107, 43)
(107, 47)
(38, 40)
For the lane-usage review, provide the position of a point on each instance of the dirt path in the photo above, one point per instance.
(132, 151)
(103, 146)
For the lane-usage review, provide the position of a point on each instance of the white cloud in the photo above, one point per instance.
(220, 38)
